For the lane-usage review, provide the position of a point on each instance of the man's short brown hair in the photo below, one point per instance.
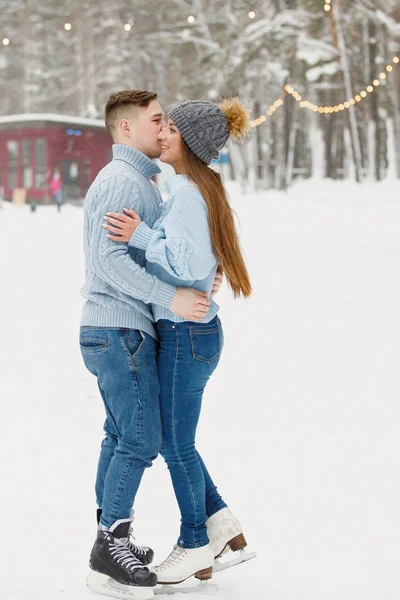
(118, 103)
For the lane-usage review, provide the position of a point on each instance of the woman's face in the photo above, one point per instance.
(171, 146)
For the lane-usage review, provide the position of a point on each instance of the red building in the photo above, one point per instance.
(33, 147)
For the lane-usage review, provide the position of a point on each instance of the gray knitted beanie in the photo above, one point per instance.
(203, 126)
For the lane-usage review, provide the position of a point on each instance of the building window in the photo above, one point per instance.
(12, 163)
(40, 162)
(87, 174)
(27, 178)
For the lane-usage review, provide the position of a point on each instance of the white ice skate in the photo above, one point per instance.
(182, 564)
(225, 534)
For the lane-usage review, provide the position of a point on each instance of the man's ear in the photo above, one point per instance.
(125, 127)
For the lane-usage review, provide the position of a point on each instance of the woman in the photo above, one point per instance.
(56, 189)
(194, 235)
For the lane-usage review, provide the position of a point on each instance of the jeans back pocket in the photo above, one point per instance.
(206, 343)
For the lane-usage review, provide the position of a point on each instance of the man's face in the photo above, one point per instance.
(144, 129)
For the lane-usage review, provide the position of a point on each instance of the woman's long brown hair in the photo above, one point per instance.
(222, 226)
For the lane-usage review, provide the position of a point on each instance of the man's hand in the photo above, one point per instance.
(124, 225)
(219, 277)
(190, 304)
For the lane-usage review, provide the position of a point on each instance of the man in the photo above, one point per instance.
(118, 341)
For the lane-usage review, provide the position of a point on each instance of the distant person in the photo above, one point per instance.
(194, 235)
(56, 190)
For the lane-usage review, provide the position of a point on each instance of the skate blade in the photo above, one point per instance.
(179, 588)
(102, 584)
(244, 556)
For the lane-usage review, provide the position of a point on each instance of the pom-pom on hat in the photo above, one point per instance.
(206, 126)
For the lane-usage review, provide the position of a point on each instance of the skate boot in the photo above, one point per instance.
(142, 553)
(225, 533)
(114, 570)
(182, 563)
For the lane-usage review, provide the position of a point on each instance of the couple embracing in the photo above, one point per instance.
(150, 331)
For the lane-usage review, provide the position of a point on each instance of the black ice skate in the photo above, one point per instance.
(142, 553)
(114, 570)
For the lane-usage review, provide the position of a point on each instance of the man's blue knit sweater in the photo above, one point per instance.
(117, 289)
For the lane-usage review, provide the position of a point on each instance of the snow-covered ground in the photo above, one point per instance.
(300, 427)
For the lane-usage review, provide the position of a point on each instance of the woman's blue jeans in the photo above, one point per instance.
(188, 355)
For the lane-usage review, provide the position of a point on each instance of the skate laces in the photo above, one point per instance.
(121, 552)
(140, 550)
(174, 558)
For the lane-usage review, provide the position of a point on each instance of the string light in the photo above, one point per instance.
(325, 109)
(327, 6)
(6, 42)
(127, 26)
(67, 26)
(191, 19)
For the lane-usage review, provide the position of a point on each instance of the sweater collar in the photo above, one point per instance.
(139, 161)
(175, 182)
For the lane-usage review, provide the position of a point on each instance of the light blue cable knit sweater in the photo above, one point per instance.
(117, 289)
(178, 245)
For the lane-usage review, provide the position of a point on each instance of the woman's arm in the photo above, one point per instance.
(181, 243)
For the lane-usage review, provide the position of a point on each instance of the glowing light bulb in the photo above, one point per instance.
(6, 42)
(252, 14)
(389, 68)
(363, 94)
(370, 89)
(191, 19)
(376, 82)
(382, 75)
(357, 98)
(127, 26)
(327, 7)
(67, 26)
(396, 59)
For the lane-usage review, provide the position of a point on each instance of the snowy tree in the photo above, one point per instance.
(187, 49)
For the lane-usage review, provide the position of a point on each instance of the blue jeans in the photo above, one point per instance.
(125, 364)
(58, 197)
(189, 353)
